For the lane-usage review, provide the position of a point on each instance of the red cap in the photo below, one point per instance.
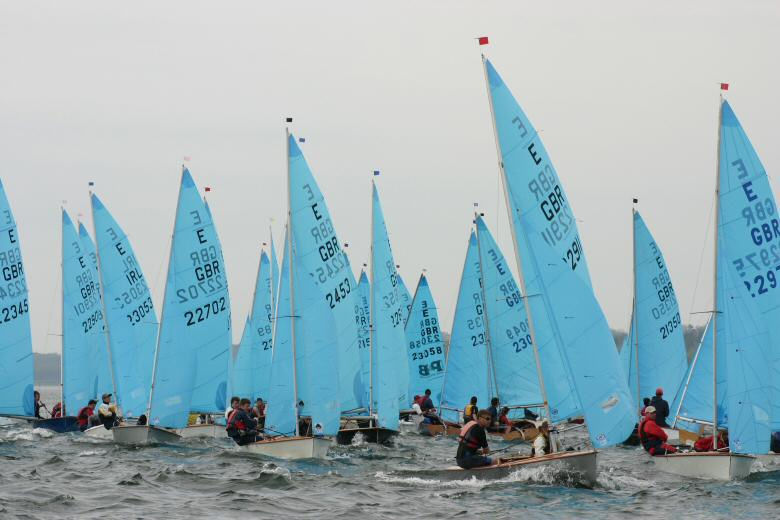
(659, 391)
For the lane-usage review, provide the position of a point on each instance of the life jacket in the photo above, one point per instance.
(419, 400)
(235, 425)
(57, 410)
(470, 410)
(471, 444)
(83, 416)
(650, 444)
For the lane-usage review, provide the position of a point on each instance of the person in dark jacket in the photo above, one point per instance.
(661, 408)
(473, 447)
(493, 409)
(39, 405)
(241, 427)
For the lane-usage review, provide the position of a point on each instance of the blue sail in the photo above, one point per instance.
(16, 356)
(252, 367)
(274, 277)
(195, 327)
(406, 298)
(280, 415)
(748, 289)
(105, 372)
(362, 318)
(321, 256)
(391, 372)
(467, 368)
(514, 364)
(661, 356)
(130, 318)
(565, 310)
(82, 321)
(426, 344)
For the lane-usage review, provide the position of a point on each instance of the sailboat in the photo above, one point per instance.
(82, 331)
(576, 361)
(505, 362)
(388, 379)
(406, 297)
(738, 340)
(305, 379)
(16, 356)
(128, 312)
(195, 319)
(653, 354)
(425, 348)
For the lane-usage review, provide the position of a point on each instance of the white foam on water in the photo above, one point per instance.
(472, 482)
(610, 480)
(92, 453)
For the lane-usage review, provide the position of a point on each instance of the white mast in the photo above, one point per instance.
(521, 278)
(62, 328)
(371, 314)
(103, 306)
(491, 369)
(715, 289)
(290, 271)
(633, 313)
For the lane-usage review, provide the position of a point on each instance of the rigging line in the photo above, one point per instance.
(701, 259)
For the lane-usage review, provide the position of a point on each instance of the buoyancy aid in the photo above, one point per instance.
(233, 425)
(470, 443)
(83, 416)
(471, 409)
(650, 442)
(57, 410)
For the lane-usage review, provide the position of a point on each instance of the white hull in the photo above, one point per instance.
(412, 425)
(291, 448)
(710, 465)
(213, 431)
(141, 435)
(99, 432)
(672, 436)
(583, 464)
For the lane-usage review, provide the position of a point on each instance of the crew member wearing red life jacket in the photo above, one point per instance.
(473, 439)
(240, 426)
(705, 443)
(652, 437)
(84, 415)
(56, 412)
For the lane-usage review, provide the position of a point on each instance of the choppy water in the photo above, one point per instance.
(44, 475)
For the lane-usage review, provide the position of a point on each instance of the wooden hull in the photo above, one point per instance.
(580, 464)
(99, 432)
(371, 434)
(59, 424)
(212, 431)
(142, 435)
(442, 429)
(291, 448)
(525, 434)
(709, 465)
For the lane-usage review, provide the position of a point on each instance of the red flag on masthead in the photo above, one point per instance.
(208, 188)
(483, 40)
(724, 86)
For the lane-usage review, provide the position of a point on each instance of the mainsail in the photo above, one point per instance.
(191, 355)
(566, 316)
(425, 343)
(362, 317)
(16, 356)
(390, 373)
(130, 319)
(653, 353)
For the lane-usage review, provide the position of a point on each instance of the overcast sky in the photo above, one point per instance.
(624, 93)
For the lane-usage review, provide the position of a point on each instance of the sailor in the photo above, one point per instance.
(142, 420)
(470, 411)
(304, 423)
(233, 406)
(661, 407)
(705, 443)
(646, 402)
(504, 422)
(57, 411)
(107, 412)
(652, 437)
(86, 414)
(473, 440)
(542, 443)
(493, 409)
(240, 426)
(428, 410)
(774, 443)
(39, 405)
(258, 412)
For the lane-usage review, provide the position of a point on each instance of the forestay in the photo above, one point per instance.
(16, 356)
(568, 320)
(390, 366)
(514, 365)
(82, 322)
(662, 361)
(191, 358)
(321, 256)
(129, 314)
(425, 343)
(467, 371)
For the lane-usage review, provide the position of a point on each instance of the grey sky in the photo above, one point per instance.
(624, 93)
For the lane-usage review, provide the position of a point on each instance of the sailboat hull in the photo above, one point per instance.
(213, 431)
(291, 448)
(142, 435)
(371, 434)
(58, 424)
(709, 465)
(581, 466)
(412, 424)
(99, 432)
(525, 434)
